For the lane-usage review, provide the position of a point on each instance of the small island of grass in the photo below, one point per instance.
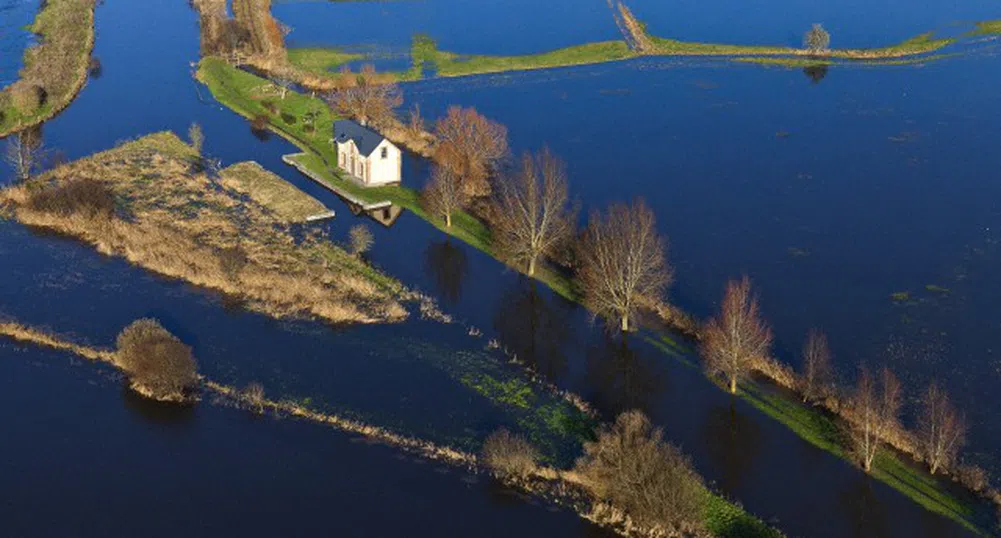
(54, 70)
(147, 201)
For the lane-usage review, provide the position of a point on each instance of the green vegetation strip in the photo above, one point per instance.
(59, 64)
(822, 430)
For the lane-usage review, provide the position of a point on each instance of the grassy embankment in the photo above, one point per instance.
(236, 88)
(54, 70)
(723, 518)
(288, 203)
(425, 54)
(827, 432)
(143, 201)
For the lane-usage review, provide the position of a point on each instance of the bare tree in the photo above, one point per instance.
(735, 339)
(361, 239)
(621, 260)
(818, 376)
(24, 153)
(532, 217)
(443, 196)
(471, 145)
(631, 466)
(942, 429)
(817, 40)
(415, 123)
(284, 82)
(874, 413)
(367, 101)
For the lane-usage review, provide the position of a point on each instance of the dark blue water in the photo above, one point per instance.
(92, 460)
(863, 215)
(15, 15)
(882, 185)
(483, 27)
(852, 23)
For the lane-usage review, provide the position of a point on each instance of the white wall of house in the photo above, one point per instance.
(383, 167)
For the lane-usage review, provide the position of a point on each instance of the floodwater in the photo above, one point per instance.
(832, 193)
(15, 15)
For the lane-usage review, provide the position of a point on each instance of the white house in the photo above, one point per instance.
(365, 154)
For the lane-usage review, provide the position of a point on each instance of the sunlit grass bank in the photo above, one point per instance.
(55, 69)
(827, 432)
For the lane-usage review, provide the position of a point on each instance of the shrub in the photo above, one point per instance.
(631, 467)
(88, 197)
(158, 364)
(361, 239)
(973, 477)
(288, 118)
(509, 455)
(270, 106)
(232, 260)
(25, 96)
(254, 395)
(260, 122)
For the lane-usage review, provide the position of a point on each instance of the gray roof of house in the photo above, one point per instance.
(366, 139)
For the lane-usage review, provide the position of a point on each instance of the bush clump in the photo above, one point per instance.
(87, 197)
(509, 455)
(232, 260)
(158, 364)
(632, 468)
(253, 394)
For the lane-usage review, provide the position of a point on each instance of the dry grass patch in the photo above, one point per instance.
(271, 191)
(179, 223)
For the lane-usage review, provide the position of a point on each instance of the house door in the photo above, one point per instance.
(352, 169)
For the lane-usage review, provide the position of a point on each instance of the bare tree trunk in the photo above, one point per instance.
(625, 323)
(733, 385)
(531, 267)
(448, 220)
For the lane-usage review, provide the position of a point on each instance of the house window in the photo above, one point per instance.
(342, 160)
(361, 167)
(385, 152)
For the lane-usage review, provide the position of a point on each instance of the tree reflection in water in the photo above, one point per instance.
(158, 413)
(733, 442)
(534, 328)
(622, 379)
(447, 266)
(863, 509)
(815, 73)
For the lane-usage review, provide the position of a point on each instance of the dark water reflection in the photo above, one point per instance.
(815, 73)
(446, 266)
(535, 327)
(621, 379)
(734, 441)
(158, 413)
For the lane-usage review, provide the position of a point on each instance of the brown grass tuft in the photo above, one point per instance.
(509, 456)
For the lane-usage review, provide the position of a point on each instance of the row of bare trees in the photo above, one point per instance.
(738, 340)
